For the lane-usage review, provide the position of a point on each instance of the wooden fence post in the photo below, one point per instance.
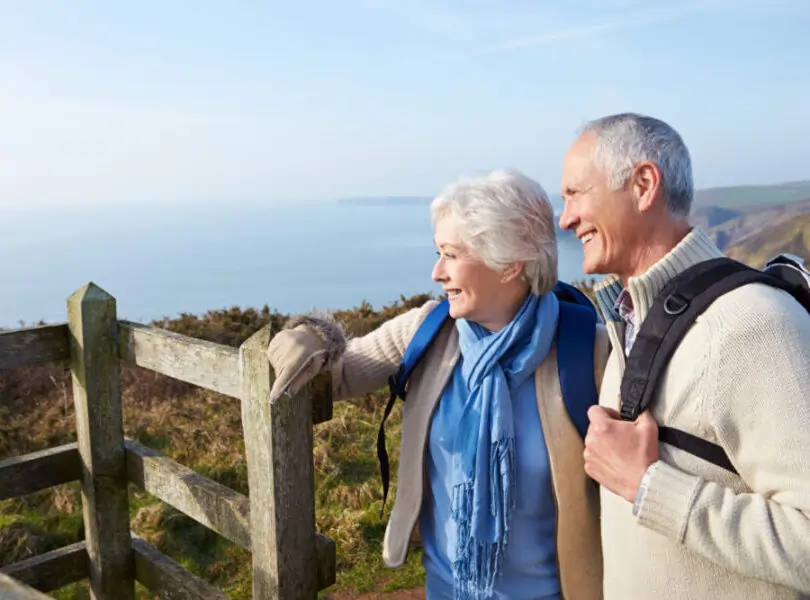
(278, 448)
(96, 378)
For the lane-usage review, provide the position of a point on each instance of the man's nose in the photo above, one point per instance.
(567, 218)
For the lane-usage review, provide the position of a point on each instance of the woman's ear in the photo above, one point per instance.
(512, 271)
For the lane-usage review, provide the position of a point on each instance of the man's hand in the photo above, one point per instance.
(618, 453)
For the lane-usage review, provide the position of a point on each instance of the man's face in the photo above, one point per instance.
(604, 220)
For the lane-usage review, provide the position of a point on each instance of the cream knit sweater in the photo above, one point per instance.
(741, 379)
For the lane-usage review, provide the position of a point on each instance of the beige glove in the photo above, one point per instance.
(306, 346)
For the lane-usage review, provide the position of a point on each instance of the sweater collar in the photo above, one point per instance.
(694, 248)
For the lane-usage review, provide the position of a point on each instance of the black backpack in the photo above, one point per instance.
(674, 310)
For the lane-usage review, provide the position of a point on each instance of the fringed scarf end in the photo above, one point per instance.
(477, 562)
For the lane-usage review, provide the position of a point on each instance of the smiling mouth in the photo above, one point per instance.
(587, 237)
(451, 294)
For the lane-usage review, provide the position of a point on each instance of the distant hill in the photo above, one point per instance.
(732, 198)
(712, 216)
(740, 225)
(743, 197)
(714, 207)
(792, 235)
(730, 214)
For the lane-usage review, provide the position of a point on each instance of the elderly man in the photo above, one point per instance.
(675, 525)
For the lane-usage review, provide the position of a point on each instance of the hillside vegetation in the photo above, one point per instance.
(203, 430)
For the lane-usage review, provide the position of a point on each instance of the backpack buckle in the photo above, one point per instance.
(786, 259)
(675, 304)
(395, 384)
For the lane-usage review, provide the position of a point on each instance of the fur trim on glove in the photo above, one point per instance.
(328, 329)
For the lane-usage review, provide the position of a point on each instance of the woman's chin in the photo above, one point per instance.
(457, 310)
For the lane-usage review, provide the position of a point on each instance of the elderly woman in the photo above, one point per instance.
(491, 465)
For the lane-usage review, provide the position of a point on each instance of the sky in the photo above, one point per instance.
(199, 102)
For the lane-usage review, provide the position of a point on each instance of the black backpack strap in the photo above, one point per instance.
(673, 312)
(420, 342)
(696, 446)
(382, 452)
(670, 316)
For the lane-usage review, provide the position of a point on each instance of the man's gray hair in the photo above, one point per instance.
(502, 218)
(624, 140)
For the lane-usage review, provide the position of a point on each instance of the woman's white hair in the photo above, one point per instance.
(626, 139)
(503, 218)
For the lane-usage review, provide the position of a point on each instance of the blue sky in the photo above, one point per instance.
(209, 102)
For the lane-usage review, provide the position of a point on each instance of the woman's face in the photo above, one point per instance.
(476, 292)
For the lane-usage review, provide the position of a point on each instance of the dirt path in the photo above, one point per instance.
(417, 594)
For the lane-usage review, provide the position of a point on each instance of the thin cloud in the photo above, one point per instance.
(482, 22)
(554, 36)
(589, 31)
(453, 20)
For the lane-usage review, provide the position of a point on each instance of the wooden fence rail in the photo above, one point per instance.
(275, 522)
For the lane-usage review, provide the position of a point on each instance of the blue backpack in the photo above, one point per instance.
(575, 338)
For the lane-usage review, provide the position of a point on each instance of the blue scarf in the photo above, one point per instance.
(494, 366)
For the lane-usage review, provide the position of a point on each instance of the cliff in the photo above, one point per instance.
(791, 235)
(753, 223)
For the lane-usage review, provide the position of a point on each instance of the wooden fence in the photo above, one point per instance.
(276, 523)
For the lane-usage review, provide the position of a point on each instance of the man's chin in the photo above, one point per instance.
(590, 269)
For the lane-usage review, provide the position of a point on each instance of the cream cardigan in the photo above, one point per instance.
(741, 379)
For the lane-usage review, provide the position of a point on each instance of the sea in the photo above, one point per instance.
(161, 261)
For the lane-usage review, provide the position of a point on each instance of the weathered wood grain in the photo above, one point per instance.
(161, 575)
(36, 471)
(322, 404)
(34, 345)
(95, 371)
(327, 561)
(214, 505)
(278, 448)
(52, 570)
(206, 364)
(14, 590)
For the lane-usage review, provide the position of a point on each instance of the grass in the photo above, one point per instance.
(348, 496)
(202, 430)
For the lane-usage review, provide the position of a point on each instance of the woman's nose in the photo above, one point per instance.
(438, 273)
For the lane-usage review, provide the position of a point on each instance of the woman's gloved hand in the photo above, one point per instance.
(308, 345)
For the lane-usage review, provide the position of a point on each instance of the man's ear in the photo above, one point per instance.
(645, 184)
(512, 271)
